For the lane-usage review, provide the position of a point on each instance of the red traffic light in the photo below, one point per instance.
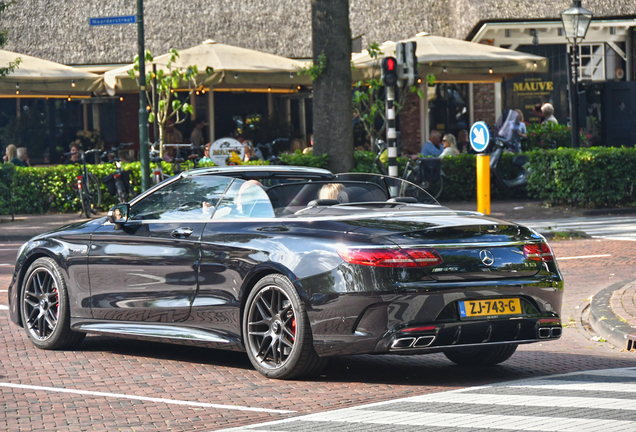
(389, 71)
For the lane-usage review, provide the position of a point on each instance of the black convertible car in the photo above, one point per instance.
(292, 265)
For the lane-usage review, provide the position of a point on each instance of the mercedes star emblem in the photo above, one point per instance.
(486, 257)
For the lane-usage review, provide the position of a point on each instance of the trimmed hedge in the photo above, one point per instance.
(593, 177)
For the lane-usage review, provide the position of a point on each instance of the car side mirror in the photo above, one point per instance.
(118, 215)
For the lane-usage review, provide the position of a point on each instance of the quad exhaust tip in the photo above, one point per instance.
(549, 332)
(411, 342)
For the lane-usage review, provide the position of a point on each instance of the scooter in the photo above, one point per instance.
(500, 145)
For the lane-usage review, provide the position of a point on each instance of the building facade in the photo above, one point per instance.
(60, 31)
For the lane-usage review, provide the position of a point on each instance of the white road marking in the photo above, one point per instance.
(584, 257)
(4, 290)
(472, 407)
(6, 264)
(3, 307)
(537, 401)
(574, 385)
(476, 421)
(618, 228)
(5, 250)
(11, 244)
(143, 398)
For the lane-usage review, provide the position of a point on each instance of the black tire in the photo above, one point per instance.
(481, 356)
(44, 306)
(276, 331)
(95, 193)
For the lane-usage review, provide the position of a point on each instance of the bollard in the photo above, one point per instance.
(483, 183)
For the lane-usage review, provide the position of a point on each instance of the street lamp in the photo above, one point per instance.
(576, 21)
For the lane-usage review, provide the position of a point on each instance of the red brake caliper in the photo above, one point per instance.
(294, 326)
(57, 297)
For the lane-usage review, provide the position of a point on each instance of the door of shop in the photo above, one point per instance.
(619, 119)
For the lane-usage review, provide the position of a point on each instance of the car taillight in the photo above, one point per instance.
(538, 252)
(391, 257)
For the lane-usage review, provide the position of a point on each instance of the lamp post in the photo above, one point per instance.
(576, 21)
(144, 150)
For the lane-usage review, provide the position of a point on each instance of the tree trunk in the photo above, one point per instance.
(333, 118)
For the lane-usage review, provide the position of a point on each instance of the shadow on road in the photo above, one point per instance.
(423, 370)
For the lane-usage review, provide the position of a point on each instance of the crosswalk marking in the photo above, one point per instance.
(537, 401)
(574, 402)
(609, 228)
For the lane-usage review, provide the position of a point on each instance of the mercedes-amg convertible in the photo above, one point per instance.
(292, 265)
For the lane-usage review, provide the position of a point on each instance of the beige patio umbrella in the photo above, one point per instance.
(234, 67)
(39, 77)
(454, 60)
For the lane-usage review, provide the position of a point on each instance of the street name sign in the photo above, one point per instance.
(479, 136)
(129, 19)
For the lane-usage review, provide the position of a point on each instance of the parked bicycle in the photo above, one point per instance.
(184, 152)
(88, 188)
(118, 183)
(424, 172)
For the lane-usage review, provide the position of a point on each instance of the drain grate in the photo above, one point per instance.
(631, 343)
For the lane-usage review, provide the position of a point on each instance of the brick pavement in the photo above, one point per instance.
(160, 370)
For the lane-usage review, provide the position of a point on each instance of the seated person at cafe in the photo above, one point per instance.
(75, 156)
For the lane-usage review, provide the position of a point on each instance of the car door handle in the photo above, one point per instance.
(182, 233)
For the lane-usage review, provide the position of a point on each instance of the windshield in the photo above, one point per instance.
(394, 187)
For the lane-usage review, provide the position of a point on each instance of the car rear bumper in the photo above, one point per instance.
(444, 337)
(429, 321)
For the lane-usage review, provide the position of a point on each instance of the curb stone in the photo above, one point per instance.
(603, 319)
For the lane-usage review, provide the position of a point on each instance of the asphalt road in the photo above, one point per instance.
(118, 384)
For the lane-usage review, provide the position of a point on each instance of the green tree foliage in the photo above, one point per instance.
(162, 86)
(369, 100)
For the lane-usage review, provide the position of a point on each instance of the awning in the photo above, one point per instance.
(454, 60)
(38, 77)
(234, 67)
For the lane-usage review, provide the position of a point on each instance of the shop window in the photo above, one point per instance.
(592, 62)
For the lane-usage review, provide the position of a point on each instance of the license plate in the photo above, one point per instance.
(493, 307)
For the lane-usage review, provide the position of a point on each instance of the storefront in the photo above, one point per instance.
(607, 74)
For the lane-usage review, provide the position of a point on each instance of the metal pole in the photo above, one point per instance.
(154, 100)
(574, 95)
(143, 113)
(575, 101)
(391, 135)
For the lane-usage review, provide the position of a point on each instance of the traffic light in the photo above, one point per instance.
(389, 71)
(407, 63)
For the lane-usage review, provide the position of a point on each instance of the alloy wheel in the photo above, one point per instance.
(271, 327)
(41, 304)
